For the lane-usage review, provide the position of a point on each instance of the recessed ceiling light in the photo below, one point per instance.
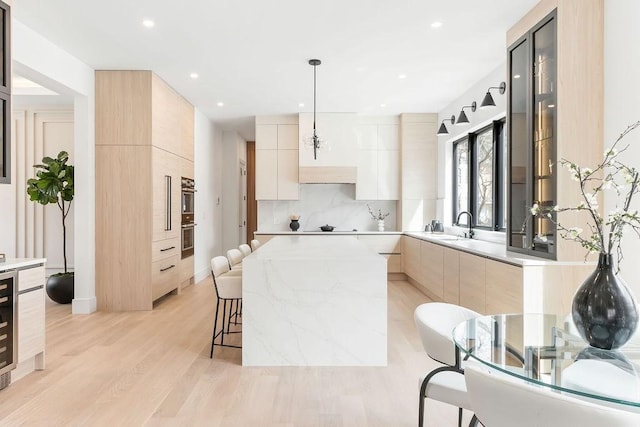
(552, 105)
(148, 23)
(301, 105)
(516, 76)
(402, 76)
(194, 75)
(436, 24)
(220, 104)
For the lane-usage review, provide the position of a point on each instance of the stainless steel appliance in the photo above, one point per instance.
(188, 211)
(8, 325)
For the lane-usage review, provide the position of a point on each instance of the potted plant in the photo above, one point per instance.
(54, 184)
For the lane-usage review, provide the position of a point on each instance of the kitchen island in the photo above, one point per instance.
(312, 301)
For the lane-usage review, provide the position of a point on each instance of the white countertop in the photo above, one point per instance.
(323, 233)
(496, 251)
(13, 263)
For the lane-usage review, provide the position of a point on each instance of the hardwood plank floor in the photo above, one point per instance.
(153, 368)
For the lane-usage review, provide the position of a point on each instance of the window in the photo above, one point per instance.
(479, 179)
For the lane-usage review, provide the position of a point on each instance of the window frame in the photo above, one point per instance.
(499, 176)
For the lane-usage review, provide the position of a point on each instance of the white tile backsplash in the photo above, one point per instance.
(321, 204)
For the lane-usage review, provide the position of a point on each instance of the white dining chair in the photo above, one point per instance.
(499, 400)
(435, 322)
(235, 258)
(245, 249)
(228, 287)
(255, 244)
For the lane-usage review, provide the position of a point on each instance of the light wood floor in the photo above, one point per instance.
(153, 368)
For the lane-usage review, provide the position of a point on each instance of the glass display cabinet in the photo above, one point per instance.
(532, 118)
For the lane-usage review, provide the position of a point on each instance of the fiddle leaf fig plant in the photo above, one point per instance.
(54, 184)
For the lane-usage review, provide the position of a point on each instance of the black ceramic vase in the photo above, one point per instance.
(60, 288)
(294, 225)
(604, 309)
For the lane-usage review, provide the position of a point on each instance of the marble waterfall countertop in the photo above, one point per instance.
(312, 301)
(14, 263)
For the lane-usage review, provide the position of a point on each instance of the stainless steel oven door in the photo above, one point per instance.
(188, 239)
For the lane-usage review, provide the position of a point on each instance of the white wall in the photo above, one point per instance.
(321, 204)
(477, 120)
(622, 106)
(39, 60)
(208, 177)
(234, 150)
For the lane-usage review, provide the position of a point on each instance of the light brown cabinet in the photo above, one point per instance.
(432, 264)
(411, 262)
(451, 276)
(472, 282)
(144, 145)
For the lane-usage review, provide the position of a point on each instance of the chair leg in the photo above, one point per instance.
(423, 389)
(459, 417)
(215, 326)
(474, 421)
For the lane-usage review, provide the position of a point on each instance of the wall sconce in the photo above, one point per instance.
(462, 118)
(443, 129)
(488, 99)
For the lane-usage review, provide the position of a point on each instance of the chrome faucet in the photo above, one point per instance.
(470, 233)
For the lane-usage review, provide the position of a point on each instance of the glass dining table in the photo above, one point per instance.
(534, 348)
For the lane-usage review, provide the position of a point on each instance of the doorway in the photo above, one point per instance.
(242, 220)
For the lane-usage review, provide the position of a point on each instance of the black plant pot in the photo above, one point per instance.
(604, 309)
(60, 288)
(295, 225)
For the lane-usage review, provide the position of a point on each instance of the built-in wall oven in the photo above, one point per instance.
(188, 218)
(8, 325)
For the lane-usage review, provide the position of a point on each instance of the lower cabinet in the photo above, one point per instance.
(504, 288)
(472, 282)
(451, 275)
(31, 321)
(411, 260)
(431, 258)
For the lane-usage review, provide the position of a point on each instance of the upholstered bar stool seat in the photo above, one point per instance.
(235, 258)
(228, 287)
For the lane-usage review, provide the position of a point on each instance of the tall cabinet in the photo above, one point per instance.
(555, 111)
(144, 146)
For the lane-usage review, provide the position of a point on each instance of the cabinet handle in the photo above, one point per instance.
(167, 213)
(3, 287)
(4, 299)
(3, 325)
(168, 268)
(167, 249)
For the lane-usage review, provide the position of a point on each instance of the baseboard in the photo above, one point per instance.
(84, 305)
(397, 277)
(201, 275)
(422, 289)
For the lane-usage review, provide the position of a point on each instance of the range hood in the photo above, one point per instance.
(327, 174)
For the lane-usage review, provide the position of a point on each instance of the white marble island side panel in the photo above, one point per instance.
(312, 301)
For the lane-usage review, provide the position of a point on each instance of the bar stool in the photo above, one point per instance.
(255, 244)
(235, 258)
(245, 249)
(228, 288)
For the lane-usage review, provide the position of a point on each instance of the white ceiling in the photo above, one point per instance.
(252, 54)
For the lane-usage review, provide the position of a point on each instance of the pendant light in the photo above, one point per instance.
(314, 140)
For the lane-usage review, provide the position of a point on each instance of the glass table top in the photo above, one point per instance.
(534, 348)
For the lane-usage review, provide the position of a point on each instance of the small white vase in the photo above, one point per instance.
(381, 225)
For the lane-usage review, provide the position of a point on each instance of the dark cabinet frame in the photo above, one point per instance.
(5, 95)
(530, 148)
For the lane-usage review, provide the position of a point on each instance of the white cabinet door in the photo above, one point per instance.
(266, 137)
(288, 137)
(367, 178)
(388, 137)
(288, 187)
(266, 174)
(388, 175)
(367, 137)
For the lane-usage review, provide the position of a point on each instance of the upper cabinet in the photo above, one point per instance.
(378, 176)
(532, 137)
(277, 158)
(555, 111)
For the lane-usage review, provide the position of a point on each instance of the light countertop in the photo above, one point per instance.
(323, 233)
(14, 263)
